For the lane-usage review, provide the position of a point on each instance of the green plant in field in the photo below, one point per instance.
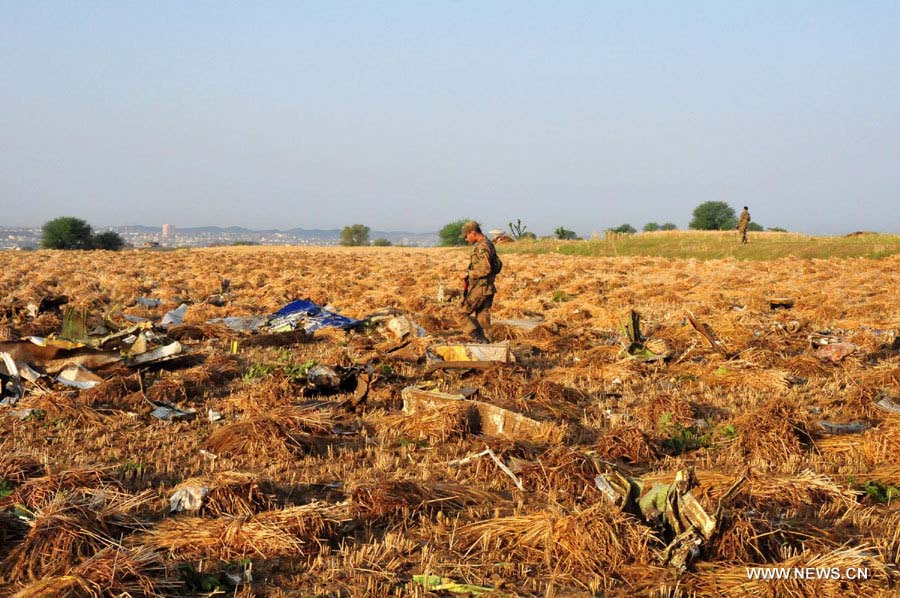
(729, 431)
(678, 439)
(196, 581)
(560, 296)
(258, 370)
(297, 372)
(880, 492)
(6, 488)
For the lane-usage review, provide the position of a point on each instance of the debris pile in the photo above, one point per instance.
(309, 422)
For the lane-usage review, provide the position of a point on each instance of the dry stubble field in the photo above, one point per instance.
(312, 495)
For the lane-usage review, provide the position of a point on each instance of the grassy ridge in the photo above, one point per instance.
(718, 245)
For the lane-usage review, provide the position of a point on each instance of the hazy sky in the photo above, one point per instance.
(408, 115)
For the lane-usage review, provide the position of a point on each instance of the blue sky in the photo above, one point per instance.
(408, 115)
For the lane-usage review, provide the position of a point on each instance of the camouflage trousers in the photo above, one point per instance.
(476, 313)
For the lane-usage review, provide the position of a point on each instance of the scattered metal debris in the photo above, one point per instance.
(147, 302)
(707, 333)
(78, 377)
(887, 403)
(168, 412)
(468, 355)
(176, 316)
(188, 498)
(835, 352)
(851, 428)
(526, 324)
(491, 419)
(670, 509)
(10, 382)
(781, 303)
(637, 346)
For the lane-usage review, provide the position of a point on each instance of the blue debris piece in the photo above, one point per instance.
(310, 316)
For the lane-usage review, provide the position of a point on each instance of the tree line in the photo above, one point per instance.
(73, 233)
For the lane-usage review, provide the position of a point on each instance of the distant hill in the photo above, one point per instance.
(327, 235)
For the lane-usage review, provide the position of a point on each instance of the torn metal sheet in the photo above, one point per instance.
(155, 355)
(497, 352)
(308, 315)
(77, 376)
(168, 412)
(99, 341)
(887, 403)
(188, 498)
(851, 428)
(24, 414)
(525, 324)
(241, 323)
(835, 352)
(176, 316)
(461, 365)
(27, 373)
(28, 352)
(59, 343)
(618, 489)
(322, 376)
(148, 302)
(492, 420)
(138, 345)
(708, 334)
(402, 327)
(636, 344)
(134, 319)
(91, 360)
(218, 300)
(74, 324)
(10, 382)
(781, 303)
(671, 509)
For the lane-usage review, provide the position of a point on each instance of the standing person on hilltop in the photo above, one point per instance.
(479, 289)
(742, 224)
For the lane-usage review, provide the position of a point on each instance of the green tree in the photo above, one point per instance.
(754, 227)
(565, 234)
(355, 235)
(624, 228)
(651, 227)
(67, 233)
(777, 229)
(108, 240)
(451, 234)
(713, 215)
(668, 226)
(381, 243)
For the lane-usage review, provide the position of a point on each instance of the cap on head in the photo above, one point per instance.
(470, 226)
(746, 208)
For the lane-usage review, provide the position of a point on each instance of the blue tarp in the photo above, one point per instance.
(310, 316)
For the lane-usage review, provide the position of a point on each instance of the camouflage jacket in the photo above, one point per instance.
(744, 220)
(481, 269)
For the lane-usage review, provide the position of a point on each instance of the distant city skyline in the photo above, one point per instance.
(409, 115)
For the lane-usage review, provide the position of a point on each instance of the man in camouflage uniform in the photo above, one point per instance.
(484, 265)
(742, 224)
